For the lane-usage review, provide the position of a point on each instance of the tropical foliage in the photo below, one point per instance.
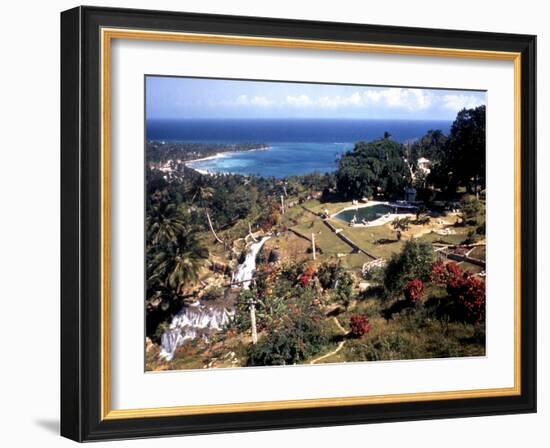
(404, 305)
(462, 163)
(373, 168)
(413, 262)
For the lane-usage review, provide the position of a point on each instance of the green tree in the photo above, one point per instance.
(401, 223)
(430, 146)
(298, 336)
(470, 208)
(164, 222)
(344, 289)
(413, 262)
(463, 161)
(177, 263)
(371, 168)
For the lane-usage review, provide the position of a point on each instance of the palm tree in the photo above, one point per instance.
(202, 192)
(178, 263)
(400, 224)
(164, 222)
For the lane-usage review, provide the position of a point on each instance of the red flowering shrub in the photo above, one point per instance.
(359, 325)
(469, 293)
(307, 275)
(441, 272)
(414, 290)
(466, 290)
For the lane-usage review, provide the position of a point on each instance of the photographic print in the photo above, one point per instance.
(297, 223)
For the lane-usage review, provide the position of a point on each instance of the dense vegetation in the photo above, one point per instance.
(373, 169)
(162, 152)
(417, 303)
(461, 162)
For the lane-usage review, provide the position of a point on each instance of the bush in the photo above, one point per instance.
(466, 291)
(469, 292)
(470, 208)
(299, 337)
(375, 274)
(344, 288)
(414, 262)
(384, 347)
(307, 276)
(414, 290)
(328, 273)
(359, 326)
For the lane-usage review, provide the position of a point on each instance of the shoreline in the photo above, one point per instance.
(219, 155)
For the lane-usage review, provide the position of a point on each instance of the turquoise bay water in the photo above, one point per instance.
(278, 160)
(296, 146)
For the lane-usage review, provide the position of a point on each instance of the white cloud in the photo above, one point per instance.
(390, 98)
(244, 100)
(411, 99)
(298, 101)
(330, 102)
(459, 101)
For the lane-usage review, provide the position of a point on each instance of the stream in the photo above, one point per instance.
(202, 320)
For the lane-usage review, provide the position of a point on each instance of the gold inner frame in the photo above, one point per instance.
(107, 35)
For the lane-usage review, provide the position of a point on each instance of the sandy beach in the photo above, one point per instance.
(218, 155)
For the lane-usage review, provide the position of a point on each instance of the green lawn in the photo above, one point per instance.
(332, 207)
(294, 215)
(446, 239)
(327, 240)
(379, 241)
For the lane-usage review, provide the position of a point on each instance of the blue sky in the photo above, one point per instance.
(176, 98)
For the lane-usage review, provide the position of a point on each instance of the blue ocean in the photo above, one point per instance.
(295, 146)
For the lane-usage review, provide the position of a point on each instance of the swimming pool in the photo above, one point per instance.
(370, 213)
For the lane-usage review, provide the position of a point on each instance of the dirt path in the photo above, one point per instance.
(340, 346)
(337, 349)
(339, 325)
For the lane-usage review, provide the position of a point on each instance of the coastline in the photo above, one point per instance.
(219, 155)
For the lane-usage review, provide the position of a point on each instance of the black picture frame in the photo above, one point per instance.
(81, 224)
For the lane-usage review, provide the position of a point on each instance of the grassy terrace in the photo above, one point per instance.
(327, 240)
(332, 207)
(379, 241)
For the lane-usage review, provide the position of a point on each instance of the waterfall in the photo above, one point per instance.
(193, 321)
(245, 271)
(202, 320)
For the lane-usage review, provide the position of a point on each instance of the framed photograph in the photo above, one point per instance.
(276, 224)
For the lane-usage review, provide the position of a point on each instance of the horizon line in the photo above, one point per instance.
(299, 118)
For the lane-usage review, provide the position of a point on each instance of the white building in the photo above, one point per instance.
(424, 164)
